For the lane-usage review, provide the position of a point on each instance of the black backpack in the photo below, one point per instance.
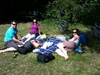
(26, 48)
(44, 58)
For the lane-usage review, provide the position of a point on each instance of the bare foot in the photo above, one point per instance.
(66, 58)
(1, 51)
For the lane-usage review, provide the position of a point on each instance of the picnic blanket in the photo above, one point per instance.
(52, 47)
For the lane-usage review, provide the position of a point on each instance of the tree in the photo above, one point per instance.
(85, 11)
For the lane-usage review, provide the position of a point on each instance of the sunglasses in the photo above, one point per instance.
(34, 22)
(74, 32)
(14, 24)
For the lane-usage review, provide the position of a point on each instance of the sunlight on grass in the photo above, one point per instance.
(87, 63)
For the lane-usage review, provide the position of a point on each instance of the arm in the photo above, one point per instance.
(74, 38)
(16, 40)
(39, 30)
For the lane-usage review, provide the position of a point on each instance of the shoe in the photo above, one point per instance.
(15, 55)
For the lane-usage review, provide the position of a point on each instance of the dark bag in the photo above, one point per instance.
(83, 38)
(27, 47)
(44, 58)
(22, 50)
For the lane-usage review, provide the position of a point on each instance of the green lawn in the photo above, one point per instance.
(87, 63)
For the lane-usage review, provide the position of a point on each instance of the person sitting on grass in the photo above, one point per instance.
(34, 31)
(10, 40)
(26, 47)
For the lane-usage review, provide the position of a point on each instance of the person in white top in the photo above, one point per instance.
(69, 45)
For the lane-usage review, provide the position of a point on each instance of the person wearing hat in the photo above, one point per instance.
(34, 31)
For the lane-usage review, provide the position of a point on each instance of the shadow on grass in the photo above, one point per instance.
(93, 44)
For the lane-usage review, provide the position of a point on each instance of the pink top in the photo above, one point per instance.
(34, 28)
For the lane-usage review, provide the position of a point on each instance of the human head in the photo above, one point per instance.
(34, 21)
(75, 31)
(13, 24)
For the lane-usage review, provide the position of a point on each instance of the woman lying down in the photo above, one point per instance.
(60, 47)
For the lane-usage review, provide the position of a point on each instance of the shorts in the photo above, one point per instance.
(69, 45)
(36, 34)
(11, 43)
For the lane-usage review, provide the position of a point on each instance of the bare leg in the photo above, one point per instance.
(61, 47)
(11, 49)
(58, 51)
(29, 37)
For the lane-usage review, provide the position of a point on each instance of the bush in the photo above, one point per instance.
(83, 11)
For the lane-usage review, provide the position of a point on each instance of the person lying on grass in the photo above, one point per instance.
(60, 47)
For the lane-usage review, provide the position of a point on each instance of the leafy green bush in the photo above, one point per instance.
(85, 11)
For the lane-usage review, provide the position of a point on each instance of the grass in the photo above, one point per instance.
(87, 63)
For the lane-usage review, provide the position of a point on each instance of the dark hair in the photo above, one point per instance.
(13, 21)
(76, 29)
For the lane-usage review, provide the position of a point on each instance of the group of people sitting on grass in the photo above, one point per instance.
(39, 42)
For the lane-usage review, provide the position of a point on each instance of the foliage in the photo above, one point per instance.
(85, 11)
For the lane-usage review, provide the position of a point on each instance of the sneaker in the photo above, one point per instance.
(15, 55)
